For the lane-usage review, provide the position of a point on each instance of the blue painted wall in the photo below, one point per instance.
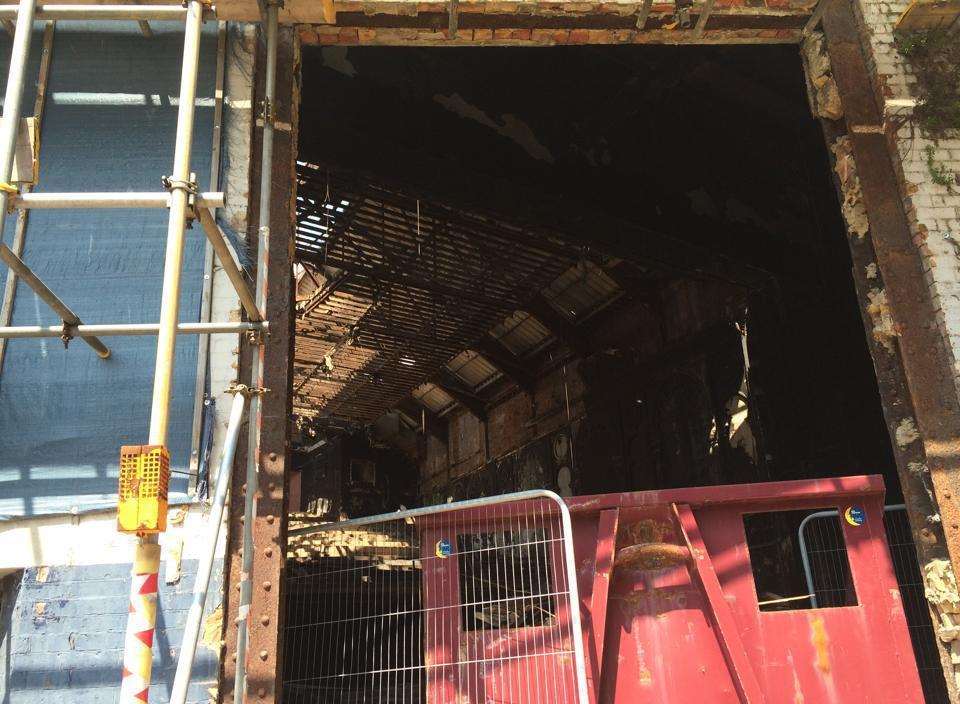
(61, 640)
(109, 125)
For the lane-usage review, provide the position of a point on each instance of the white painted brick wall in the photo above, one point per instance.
(934, 211)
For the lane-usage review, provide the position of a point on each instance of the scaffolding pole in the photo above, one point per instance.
(229, 262)
(100, 12)
(126, 329)
(121, 199)
(253, 440)
(138, 645)
(8, 144)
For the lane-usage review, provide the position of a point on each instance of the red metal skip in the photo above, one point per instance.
(693, 631)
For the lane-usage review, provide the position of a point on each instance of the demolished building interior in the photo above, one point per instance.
(588, 269)
(509, 315)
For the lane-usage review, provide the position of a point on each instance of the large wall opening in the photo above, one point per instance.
(588, 269)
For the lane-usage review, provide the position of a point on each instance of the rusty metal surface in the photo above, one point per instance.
(269, 530)
(926, 362)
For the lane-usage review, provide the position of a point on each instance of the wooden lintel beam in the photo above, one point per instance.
(564, 330)
(509, 364)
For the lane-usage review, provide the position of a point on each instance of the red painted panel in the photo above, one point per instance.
(662, 643)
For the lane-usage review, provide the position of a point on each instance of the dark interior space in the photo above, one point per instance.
(587, 269)
(687, 194)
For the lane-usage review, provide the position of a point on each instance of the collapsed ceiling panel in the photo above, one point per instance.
(395, 287)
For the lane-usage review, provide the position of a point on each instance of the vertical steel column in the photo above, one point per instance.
(138, 645)
(253, 449)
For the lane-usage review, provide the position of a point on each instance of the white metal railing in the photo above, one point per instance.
(468, 601)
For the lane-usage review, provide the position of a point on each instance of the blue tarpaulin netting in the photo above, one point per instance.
(109, 125)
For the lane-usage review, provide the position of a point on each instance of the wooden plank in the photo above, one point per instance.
(728, 634)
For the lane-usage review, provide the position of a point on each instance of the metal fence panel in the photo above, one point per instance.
(474, 601)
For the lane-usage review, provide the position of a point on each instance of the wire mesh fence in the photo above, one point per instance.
(827, 573)
(465, 603)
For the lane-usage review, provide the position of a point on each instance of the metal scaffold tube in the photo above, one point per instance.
(253, 440)
(138, 645)
(100, 12)
(121, 199)
(126, 329)
(68, 317)
(188, 646)
(8, 139)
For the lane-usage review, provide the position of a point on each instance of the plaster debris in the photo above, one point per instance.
(210, 637)
(854, 211)
(172, 571)
(512, 127)
(884, 329)
(821, 88)
(940, 588)
(906, 433)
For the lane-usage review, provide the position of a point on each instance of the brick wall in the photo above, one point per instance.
(62, 630)
(934, 212)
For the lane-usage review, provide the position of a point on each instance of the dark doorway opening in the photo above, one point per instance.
(590, 269)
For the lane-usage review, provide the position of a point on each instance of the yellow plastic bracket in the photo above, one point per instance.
(144, 484)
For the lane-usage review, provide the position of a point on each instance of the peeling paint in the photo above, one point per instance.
(884, 329)
(822, 89)
(906, 433)
(940, 588)
(854, 211)
(821, 641)
(512, 127)
(172, 572)
(210, 637)
(871, 270)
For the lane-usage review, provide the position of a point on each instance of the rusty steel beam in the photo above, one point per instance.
(914, 369)
(269, 528)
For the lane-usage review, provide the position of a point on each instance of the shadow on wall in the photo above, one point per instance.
(62, 632)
